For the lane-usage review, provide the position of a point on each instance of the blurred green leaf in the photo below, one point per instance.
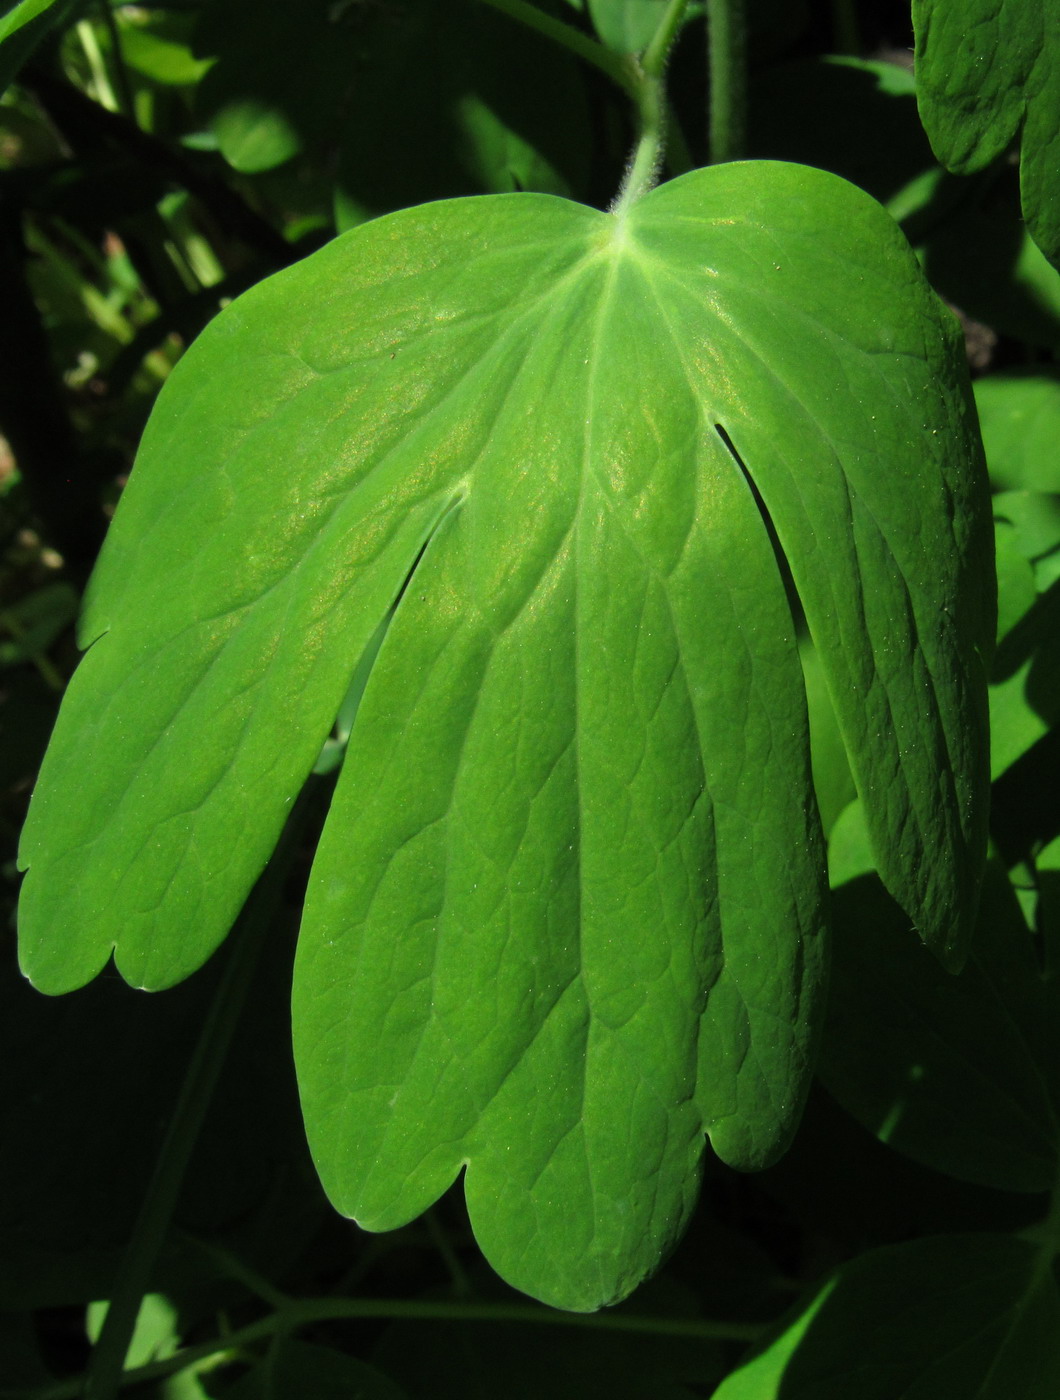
(978, 254)
(1034, 517)
(1019, 414)
(952, 1071)
(23, 27)
(855, 117)
(163, 59)
(156, 1334)
(35, 621)
(944, 1318)
(1025, 679)
(20, 14)
(626, 26)
(417, 102)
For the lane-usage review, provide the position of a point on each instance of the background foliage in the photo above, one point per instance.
(157, 160)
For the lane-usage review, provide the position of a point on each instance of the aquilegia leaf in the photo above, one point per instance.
(567, 913)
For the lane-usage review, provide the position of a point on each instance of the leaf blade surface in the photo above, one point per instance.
(567, 913)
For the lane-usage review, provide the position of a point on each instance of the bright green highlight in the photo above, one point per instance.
(567, 915)
(21, 15)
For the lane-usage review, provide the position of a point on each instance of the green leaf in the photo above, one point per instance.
(151, 49)
(832, 782)
(953, 1072)
(854, 117)
(945, 1318)
(988, 74)
(627, 26)
(567, 910)
(35, 621)
(24, 26)
(1025, 680)
(1019, 414)
(978, 255)
(21, 14)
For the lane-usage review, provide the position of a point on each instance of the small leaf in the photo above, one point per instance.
(854, 117)
(627, 26)
(25, 26)
(988, 74)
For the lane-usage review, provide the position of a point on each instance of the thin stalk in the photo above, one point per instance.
(235, 1269)
(457, 1273)
(727, 67)
(309, 1311)
(104, 93)
(653, 60)
(127, 103)
(650, 94)
(104, 1379)
(617, 68)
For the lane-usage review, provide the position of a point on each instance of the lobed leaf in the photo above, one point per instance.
(568, 909)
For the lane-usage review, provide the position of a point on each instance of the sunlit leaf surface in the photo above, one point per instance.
(567, 913)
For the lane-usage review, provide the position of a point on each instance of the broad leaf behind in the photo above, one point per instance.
(567, 913)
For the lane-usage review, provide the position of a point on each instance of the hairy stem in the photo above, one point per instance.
(727, 65)
(650, 95)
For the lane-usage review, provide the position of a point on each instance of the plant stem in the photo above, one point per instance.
(727, 65)
(617, 68)
(104, 1378)
(127, 103)
(102, 90)
(306, 1312)
(650, 95)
